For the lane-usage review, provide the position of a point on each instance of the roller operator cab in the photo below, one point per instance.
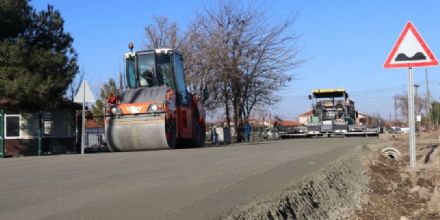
(155, 110)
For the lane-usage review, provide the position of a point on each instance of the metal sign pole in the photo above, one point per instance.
(411, 120)
(83, 119)
(83, 95)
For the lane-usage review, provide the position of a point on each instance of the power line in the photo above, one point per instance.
(358, 93)
(369, 91)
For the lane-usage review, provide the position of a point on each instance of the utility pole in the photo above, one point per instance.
(416, 86)
(428, 102)
(395, 108)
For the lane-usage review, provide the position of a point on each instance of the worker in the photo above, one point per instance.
(247, 131)
(214, 135)
(240, 133)
(112, 99)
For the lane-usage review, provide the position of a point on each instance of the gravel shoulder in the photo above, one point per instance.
(333, 192)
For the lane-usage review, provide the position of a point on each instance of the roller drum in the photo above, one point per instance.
(136, 132)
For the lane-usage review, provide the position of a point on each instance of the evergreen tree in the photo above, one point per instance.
(434, 113)
(97, 109)
(37, 60)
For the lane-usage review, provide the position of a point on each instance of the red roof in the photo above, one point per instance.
(309, 113)
(289, 123)
(91, 123)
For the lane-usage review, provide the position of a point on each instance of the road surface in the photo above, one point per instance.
(168, 184)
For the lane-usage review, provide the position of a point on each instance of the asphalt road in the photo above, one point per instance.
(169, 184)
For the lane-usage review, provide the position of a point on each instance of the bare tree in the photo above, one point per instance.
(252, 57)
(162, 33)
(199, 69)
(74, 86)
(402, 104)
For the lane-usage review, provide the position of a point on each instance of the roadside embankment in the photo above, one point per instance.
(332, 193)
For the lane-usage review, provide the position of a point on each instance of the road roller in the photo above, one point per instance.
(155, 110)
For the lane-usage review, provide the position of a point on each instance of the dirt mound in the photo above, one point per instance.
(399, 192)
(329, 194)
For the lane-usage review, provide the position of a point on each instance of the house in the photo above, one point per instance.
(304, 117)
(21, 129)
(286, 123)
(369, 121)
(94, 135)
(289, 126)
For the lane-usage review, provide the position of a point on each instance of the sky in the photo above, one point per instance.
(345, 43)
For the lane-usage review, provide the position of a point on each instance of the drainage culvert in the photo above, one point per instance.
(391, 153)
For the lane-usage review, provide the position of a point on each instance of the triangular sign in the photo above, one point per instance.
(84, 94)
(410, 50)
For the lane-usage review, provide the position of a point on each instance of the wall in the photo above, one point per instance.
(61, 138)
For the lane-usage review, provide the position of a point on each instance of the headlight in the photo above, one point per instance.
(155, 108)
(116, 111)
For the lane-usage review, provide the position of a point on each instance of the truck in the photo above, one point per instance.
(155, 110)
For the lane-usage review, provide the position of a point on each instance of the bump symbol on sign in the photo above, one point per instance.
(417, 56)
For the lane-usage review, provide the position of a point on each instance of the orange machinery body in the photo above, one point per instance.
(183, 115)
(139, 114)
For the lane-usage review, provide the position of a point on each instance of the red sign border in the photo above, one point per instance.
(409, 26)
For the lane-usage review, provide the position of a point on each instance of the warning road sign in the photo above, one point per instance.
(410, 50)
(84, 94)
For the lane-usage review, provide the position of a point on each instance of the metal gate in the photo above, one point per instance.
(2, 134)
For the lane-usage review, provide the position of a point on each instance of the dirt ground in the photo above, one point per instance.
(398, 192)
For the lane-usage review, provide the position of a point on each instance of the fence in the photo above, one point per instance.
(257, 134)
(94, 140)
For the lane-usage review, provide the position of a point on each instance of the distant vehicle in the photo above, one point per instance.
(332, 114)
(405, 130)
(395, 130)
(155, 111)
(335, 114)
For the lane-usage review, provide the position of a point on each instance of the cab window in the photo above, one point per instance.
(180, 79)
(164, 71)
(131, 75)
(146, 70)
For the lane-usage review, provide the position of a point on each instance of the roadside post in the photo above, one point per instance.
(2, 143)
(40, 132)
(410, 51)
(84, 95)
